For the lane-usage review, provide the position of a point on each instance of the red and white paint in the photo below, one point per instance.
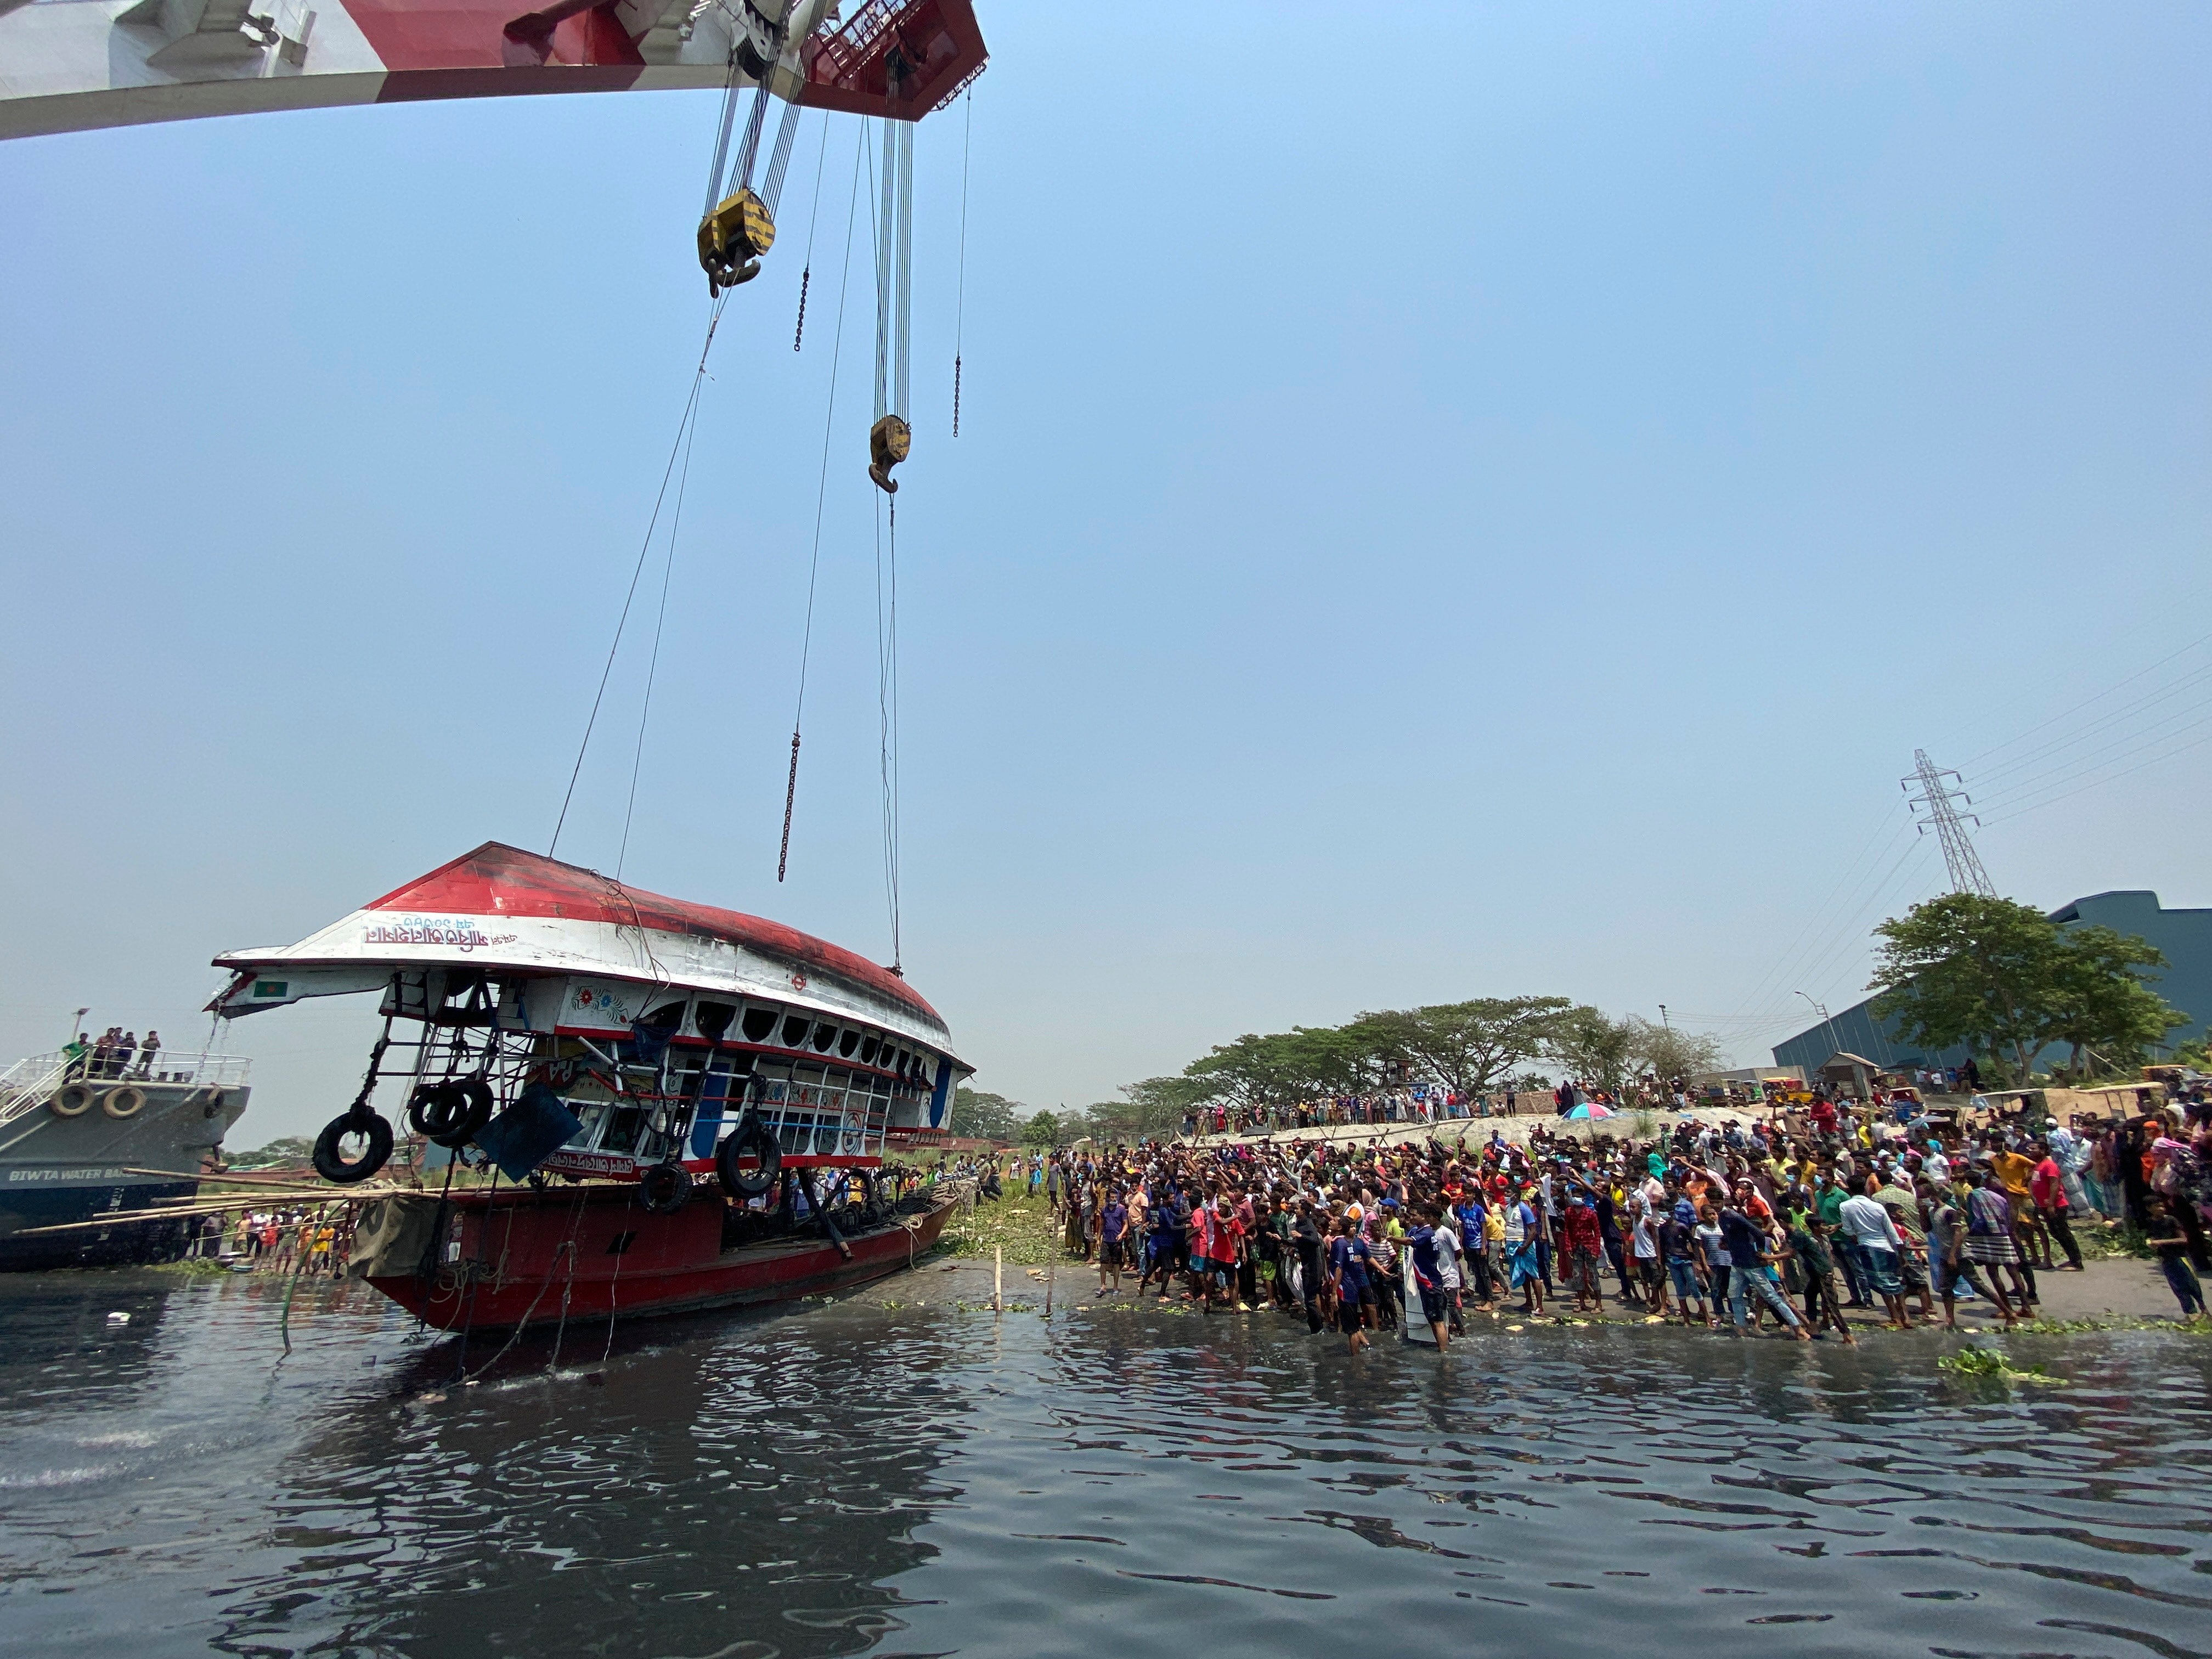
(68, 64)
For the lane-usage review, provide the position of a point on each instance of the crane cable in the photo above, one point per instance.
(683, 430)
(659, 623)
(890, 223)
(887, 716)
(822, 488)
(960, 292)
(722, 134)
(813, 218)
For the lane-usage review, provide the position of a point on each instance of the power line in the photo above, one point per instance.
(2086, 702)
(2098, 783)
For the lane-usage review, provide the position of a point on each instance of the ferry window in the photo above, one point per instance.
(759, 1022)
(867, 1051)
(622, 1128)
(847, 1043)
(665, 1018)
(824, 1034)
(711, 1019)
(794, 1031)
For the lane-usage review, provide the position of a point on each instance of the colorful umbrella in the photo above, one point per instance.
(1590, 1108)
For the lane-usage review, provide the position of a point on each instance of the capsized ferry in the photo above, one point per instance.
(684, 1107)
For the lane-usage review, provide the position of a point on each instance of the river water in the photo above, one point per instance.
(904, 1479)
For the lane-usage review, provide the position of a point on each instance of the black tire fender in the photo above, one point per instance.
(753, 1139)
(330, 1163)
(433, 1109)
(478, 1103)
(450, 1112)
(664, 1188)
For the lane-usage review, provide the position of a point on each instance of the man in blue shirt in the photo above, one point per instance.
(1428, 1276)
(1113, 1224)
(1748, 1274)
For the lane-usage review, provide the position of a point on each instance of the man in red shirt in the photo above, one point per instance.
(2046, 1190)
(1584, 1243)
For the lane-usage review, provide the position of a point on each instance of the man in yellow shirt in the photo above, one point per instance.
(2014, 1173)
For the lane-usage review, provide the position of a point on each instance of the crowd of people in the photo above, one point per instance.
(1791, 1223)
(313, 1241)
(1425, 1103)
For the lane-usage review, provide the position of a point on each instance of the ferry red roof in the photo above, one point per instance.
(497, 880)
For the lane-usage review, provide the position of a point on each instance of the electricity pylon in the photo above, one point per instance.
(1942, 802)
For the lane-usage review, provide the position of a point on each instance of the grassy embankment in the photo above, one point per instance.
(1022, 1227)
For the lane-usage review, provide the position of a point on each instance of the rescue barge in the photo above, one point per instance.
(684, 1107)
(96, 1157)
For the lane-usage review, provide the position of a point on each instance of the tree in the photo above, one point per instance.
(1153, 1109)
(1965, 969)
(2004, 980)
(986, 1116)
(1592, 1045)
(292, 1149)
(2108, 1015)
(1668, 1052)
(1040, 1129)
(1466, 1046)
(1294, 1064)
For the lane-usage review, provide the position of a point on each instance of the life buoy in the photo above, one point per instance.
(751, 1138)
(664, 1188)
(332, 1165)
(74, 1101)
(127, 1102)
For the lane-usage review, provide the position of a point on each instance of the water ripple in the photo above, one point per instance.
(853, 1478)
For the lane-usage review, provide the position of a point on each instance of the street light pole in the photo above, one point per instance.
(1821, 1009)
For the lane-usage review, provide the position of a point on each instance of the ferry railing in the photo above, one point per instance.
(31, 1082)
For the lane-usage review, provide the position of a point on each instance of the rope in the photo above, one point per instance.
(568, 1290)
(660, 620)
(960, 291)
(822, 488)
(614, 1286)
(468, 1318)
(567, 1246)
(683, 427)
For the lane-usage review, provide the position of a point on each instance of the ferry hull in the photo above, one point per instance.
(58, 1171)
(118, 1241)
(532, 1258)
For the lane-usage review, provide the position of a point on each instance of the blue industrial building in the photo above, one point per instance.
(2183, 936)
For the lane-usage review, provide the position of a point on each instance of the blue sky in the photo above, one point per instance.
(1501, 526)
